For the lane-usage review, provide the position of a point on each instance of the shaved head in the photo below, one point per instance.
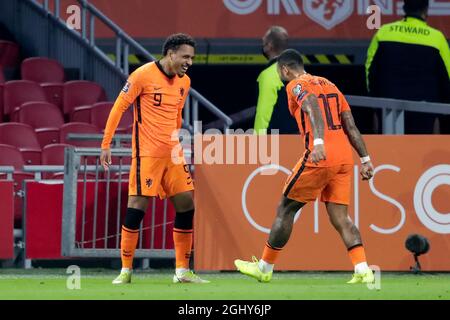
(275, 41)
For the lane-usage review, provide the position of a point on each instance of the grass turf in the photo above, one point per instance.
(157, 285)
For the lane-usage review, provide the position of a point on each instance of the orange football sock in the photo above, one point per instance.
(357, 254)
(128, 246)
(270, 253)
(182, 240)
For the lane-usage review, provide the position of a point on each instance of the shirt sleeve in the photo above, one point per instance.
(267, 98)
(445, 53)
(131, 90)
(300, 90)
(343, 103)
(119, 107)
(186, 89)
(373, 48)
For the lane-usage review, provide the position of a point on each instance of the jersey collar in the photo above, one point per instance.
(272, 61)
(158, 64)
(416, 19)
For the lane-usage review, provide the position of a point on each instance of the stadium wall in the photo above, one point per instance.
(331, 19)
(408, 194)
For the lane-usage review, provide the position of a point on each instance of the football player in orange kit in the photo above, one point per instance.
(157, 91)
(326, 122)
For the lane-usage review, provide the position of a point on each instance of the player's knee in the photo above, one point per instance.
(184, 220)
(346, 222)
(183, 202)
(138, 202)
(133, 218)
(288, 206)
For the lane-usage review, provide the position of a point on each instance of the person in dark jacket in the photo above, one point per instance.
(410, 60)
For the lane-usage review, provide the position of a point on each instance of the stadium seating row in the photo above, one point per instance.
(66, 96)
(46, 119)
(30, 142)
(51, 155)
(9, 53)
(42, 80)
(38, 69)
(40, 110)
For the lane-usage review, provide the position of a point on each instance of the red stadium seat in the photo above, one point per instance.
(100, 112)
(2, 75)
(45, 118)
(9, 53)
(11, 156)
(53, 155)
(20, 91)
(42, 70)
(40, 115)
(78, 127)
(54, 93)
(47, 136)
(2, 81)
(81, 114)
(1, 102)
(81, 93)
(23, 137)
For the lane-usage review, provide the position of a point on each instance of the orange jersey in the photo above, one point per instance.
(332, 102)
(158, 101)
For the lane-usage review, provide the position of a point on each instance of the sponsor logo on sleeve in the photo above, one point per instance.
(299, 92)
(126, 87)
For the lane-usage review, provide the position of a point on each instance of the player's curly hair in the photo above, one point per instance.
(174, 41)
(291, 58)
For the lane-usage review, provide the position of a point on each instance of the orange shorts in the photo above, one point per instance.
(158, 176)
(333, 184)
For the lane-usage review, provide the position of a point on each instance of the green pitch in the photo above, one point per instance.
(96, 284)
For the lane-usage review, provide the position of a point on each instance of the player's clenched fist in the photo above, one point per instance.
(318, 154)
(366, 170)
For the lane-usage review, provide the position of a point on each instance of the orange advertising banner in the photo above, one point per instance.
(409, 194)
(304, 19)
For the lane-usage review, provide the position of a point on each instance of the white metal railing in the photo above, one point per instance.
(91, 241)
(393, 116)
(393, 111)
(8, 171)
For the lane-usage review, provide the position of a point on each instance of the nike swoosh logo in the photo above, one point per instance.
(158, 88)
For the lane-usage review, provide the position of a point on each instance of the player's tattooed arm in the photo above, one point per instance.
(356, 140)
(354, 136)
(311, 107)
